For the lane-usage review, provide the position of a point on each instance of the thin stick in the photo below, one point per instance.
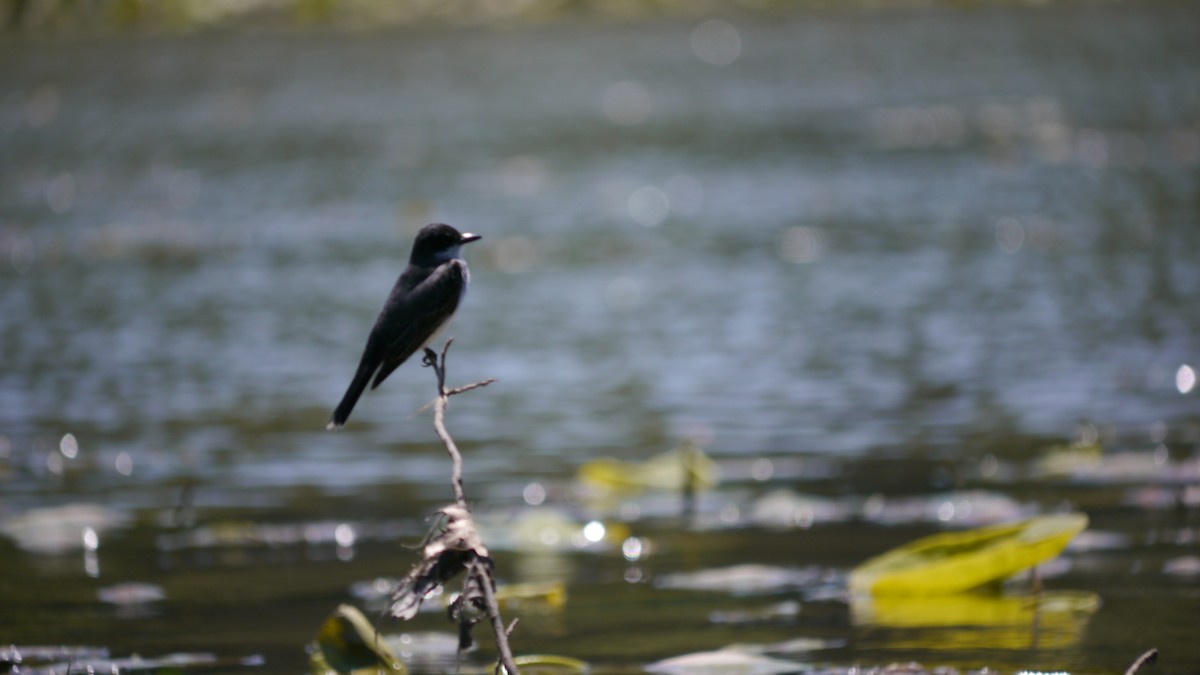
(439, 415)
(493, 612)
(476, 567)
(1146, 659)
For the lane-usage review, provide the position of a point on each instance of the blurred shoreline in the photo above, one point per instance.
(46, 18)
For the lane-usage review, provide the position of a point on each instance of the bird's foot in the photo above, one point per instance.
(431, 358)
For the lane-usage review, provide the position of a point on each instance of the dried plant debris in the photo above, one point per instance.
(534, 597)
(451, 546)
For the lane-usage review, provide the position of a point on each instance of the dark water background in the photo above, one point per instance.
(898, 242)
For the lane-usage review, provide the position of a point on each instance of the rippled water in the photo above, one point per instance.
(927, 234)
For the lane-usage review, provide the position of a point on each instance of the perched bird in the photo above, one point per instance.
(420, 304)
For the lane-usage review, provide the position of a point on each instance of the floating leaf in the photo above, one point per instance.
(551, 595)
(532, 664)
(954, 562)
(674, 470)
(1062, 461)
(348, 642)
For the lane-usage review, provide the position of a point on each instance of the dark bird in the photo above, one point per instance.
(420, 304)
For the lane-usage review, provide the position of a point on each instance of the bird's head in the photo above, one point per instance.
(438, 242)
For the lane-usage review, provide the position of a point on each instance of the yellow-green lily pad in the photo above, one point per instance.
(348, 642)
(954, 562)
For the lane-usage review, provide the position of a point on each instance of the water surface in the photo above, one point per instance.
(934, 235)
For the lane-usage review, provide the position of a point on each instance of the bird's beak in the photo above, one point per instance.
(467, 237)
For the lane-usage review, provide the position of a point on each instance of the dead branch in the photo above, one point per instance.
(440, 404)
(454, 546)
(1146, 659)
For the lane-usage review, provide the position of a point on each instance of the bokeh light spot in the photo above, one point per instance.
(762, 469)
(649, 206)
(124, 463)
(549, 537)
(801, 245)
(594, 531)
(1010, 234)
(945, 512)
(68, 446)
(632, 548)
(534, 494)
(54, 464)
(344, 534)
(91, 540)
(1185, 379)
(716, 42)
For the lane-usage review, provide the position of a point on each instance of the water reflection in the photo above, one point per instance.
(977, 621)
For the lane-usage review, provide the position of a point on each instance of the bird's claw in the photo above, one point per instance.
(430, 360)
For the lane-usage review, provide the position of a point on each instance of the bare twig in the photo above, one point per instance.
(477, 564)
(1146, 659)
(432, 360)
(493, 613)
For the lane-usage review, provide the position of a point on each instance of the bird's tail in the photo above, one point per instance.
(356, 388)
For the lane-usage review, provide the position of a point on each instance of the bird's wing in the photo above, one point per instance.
(426, 307)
